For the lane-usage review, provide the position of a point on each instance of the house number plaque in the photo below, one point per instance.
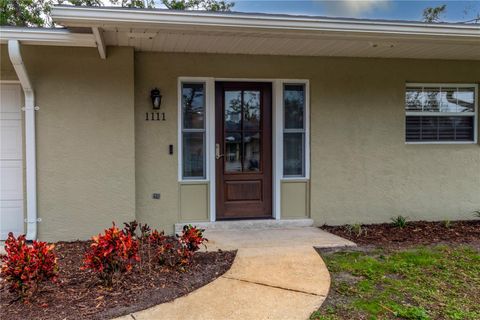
(155, 116)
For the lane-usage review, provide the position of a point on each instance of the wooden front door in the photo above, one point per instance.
(243, 150)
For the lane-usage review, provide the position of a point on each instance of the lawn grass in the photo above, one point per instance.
(434, 282)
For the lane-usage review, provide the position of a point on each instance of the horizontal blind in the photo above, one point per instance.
(426, 128)
(440, 113)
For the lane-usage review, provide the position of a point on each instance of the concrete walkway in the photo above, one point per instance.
(277, 274)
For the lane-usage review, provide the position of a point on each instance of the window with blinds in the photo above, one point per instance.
(441, 113)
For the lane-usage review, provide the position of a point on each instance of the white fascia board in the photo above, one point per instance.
(51, 37)
(76, 16)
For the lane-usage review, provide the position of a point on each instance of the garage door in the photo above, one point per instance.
(11, 161)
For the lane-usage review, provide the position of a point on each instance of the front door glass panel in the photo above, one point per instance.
(233, 110)
(233, 152)
(251, 110)
(243, 118)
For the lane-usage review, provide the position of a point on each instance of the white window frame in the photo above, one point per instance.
(304, 130)
(207, 146)
(427, 113)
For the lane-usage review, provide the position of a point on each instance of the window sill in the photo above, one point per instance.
(194, 181)
(443, 142)
(294, 179)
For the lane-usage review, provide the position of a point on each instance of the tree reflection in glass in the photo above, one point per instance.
(242, 130)
(193, 105)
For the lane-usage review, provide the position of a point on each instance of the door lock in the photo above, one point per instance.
(217, 151)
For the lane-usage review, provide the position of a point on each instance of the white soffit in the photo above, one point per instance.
(235, 33)
(238, 43)
(232, 33)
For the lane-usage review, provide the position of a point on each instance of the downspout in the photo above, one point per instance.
(30, 153)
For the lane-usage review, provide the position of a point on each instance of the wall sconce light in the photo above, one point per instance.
(156, 98)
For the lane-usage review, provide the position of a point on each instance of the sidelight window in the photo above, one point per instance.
(193, 130)
(294, 124)
(441, 113)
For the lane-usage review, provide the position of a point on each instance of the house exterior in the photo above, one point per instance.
(174, 117)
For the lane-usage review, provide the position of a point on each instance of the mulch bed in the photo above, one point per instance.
(413, 234)
(79, 294)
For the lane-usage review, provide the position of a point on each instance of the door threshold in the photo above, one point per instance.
(246, 218)
(250, 224)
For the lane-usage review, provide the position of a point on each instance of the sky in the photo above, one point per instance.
(457, 10)
(375, 9)
(411, 10)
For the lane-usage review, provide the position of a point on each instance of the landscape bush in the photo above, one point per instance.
(191, 239)
(110, 254)
(26, 267)
(113, 253)
(178, 250)
(132, 227)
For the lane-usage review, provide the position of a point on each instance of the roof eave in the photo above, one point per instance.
(88, 16)
(52, 37)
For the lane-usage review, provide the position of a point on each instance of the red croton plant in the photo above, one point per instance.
(111, 253)
(191, 239)
(26, 267)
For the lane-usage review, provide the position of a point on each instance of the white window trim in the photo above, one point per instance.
(305, 130)
(277, 136)
(446, 114)
(206, 82)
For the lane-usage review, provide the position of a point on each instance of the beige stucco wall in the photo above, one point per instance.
(193, 202)
(361, 169)
(85, 138)
(295, 199)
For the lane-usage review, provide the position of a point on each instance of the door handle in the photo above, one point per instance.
(217, 151)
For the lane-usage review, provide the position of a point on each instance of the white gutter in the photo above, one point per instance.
(50, 37)
(30, 152)
(257, 23)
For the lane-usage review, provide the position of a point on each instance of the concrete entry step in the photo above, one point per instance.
(261, 224)
(274, 238)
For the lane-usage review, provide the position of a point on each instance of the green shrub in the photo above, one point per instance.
(355, 229)
(400, 222)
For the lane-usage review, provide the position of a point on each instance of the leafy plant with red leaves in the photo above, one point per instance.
(130, 228)
(165, 248)
(145, 231)
(191, 239)
(26, 267)
(157, 238)
(111, 253)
